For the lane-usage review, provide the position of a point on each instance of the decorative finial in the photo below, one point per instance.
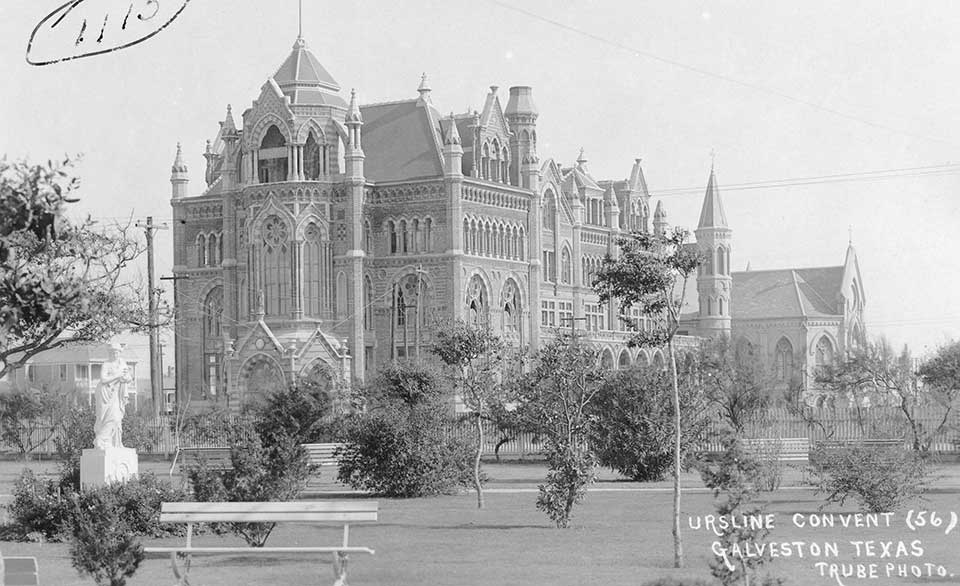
(581, 158)
(713, 159)
(353, 111)
(300, 29)
(493, 89)
(850, 235)
(178, 165)
(424, 88)
(452, 135)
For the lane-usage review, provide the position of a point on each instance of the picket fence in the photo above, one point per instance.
(834, 424)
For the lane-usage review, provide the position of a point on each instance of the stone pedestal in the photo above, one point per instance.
(99, 467)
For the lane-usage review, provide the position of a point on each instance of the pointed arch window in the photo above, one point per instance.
(720, 306)
(477, 304)
(549, 210)
(823, 354)
(275, 260)
(312, 159)
(783, 360)
(512, 321)
(212, 340)
(504, 166)
(566, 268)
(428, 235)
(367, 304)
(721, 262)
(212, 250)
(393, 236)
(485, 162)
(411, 311)
(273, 156)
(201, 250)
(317, 270)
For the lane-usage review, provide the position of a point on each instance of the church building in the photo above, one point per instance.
(330, 237)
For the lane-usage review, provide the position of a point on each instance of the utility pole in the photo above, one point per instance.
(156, 380)
(176, 309)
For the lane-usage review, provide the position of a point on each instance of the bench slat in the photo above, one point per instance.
(360, 505)
(246, 550)
(268, 517)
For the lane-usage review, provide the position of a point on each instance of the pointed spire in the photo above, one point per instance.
(353, 112)
(748, 265)
(712, 214)
(637, 182)
(424, 88)
(582, 161)
(451, 135)
(228, 126)
(178, 165)
(660, 213)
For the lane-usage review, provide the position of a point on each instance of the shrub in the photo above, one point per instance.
(76, 434)
(404, 453)
(739, 477)
(634, 434)
(880, 478)
(37, 508)
(566, 484)
(103, 541)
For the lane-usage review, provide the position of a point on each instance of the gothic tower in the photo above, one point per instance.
(714, 281)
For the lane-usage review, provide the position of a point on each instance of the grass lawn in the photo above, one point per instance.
(620, 535)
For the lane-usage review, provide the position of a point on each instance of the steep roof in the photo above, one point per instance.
(305, 80)
(712, 214)
(780, 293)
(400, 141)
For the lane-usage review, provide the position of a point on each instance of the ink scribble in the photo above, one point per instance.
(83, 28)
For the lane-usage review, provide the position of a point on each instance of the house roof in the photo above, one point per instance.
(812, 292)
(400, 141)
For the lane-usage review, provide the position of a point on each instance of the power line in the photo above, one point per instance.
(726, 78)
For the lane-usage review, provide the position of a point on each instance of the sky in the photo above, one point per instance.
(767, 90)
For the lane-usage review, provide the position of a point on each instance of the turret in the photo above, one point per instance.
(660, 219)
(611, 208)
(424, 90)
(714, 280)
(521, 114)
(354, 155)
(452, 151)
(178, 176)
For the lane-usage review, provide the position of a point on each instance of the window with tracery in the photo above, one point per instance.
(275, 236)
(411, 310)
(823, 355)
(477, 305)
(511, 324)
(317, 270)
(566, 267)
(783, 360)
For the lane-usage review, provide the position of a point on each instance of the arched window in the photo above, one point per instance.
(312, 161)
(393, 236)
(201, 250)
(485, 162)
(411, 294)
(495, 161)
(317, 270)
(275, 235)
(341, 294)
(606, 360)
(212, 251)
(273, 157)
(466, 237)
(549, 210)
(367, 304)
(624, 361)
(823, 356)
(658, 361)
(428, 235)
(720, 306)
(404, 237)
(504, 166)
(367, 238)
(212, 340)
(709, 306)
(512, 324)
(708, 264)
(476, 302)
(721, 261)
(783, 360)
(213, 314)
(415, 244)
(566, 269)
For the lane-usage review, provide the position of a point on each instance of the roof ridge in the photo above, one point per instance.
(788, 269)
(388, 103)
(815, 292)
(796, 288)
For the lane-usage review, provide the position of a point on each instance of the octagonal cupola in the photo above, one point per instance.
(304, 80)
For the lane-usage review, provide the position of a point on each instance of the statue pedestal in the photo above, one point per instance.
(99, 467)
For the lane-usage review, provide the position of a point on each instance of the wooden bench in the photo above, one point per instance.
(866, 443)
(322, 455)
(20, 572)
(216, 458)
(788, 449)
(338, 512)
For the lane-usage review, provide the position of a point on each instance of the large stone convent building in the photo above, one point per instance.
(330, 237)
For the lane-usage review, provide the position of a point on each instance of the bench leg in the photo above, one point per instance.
(182, 575)
(339, 569)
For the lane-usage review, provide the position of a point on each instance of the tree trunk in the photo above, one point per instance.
(476, 462)
(677, 541)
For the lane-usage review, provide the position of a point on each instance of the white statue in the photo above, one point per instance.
(111, 400)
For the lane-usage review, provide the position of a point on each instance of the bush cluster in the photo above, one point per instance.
(404, 453)
(879, 478)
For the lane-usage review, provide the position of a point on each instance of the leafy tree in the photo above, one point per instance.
(635, 429)
(473, 356)
(941, 379)
(735, 380)
(651, 272)
(555, 400)
(103, 544)
(59, 280)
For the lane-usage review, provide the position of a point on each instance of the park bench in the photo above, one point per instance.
(866, 443)
(336, 512)
(787, 449)
(323, 455)
(216, 458)
(20, 571)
